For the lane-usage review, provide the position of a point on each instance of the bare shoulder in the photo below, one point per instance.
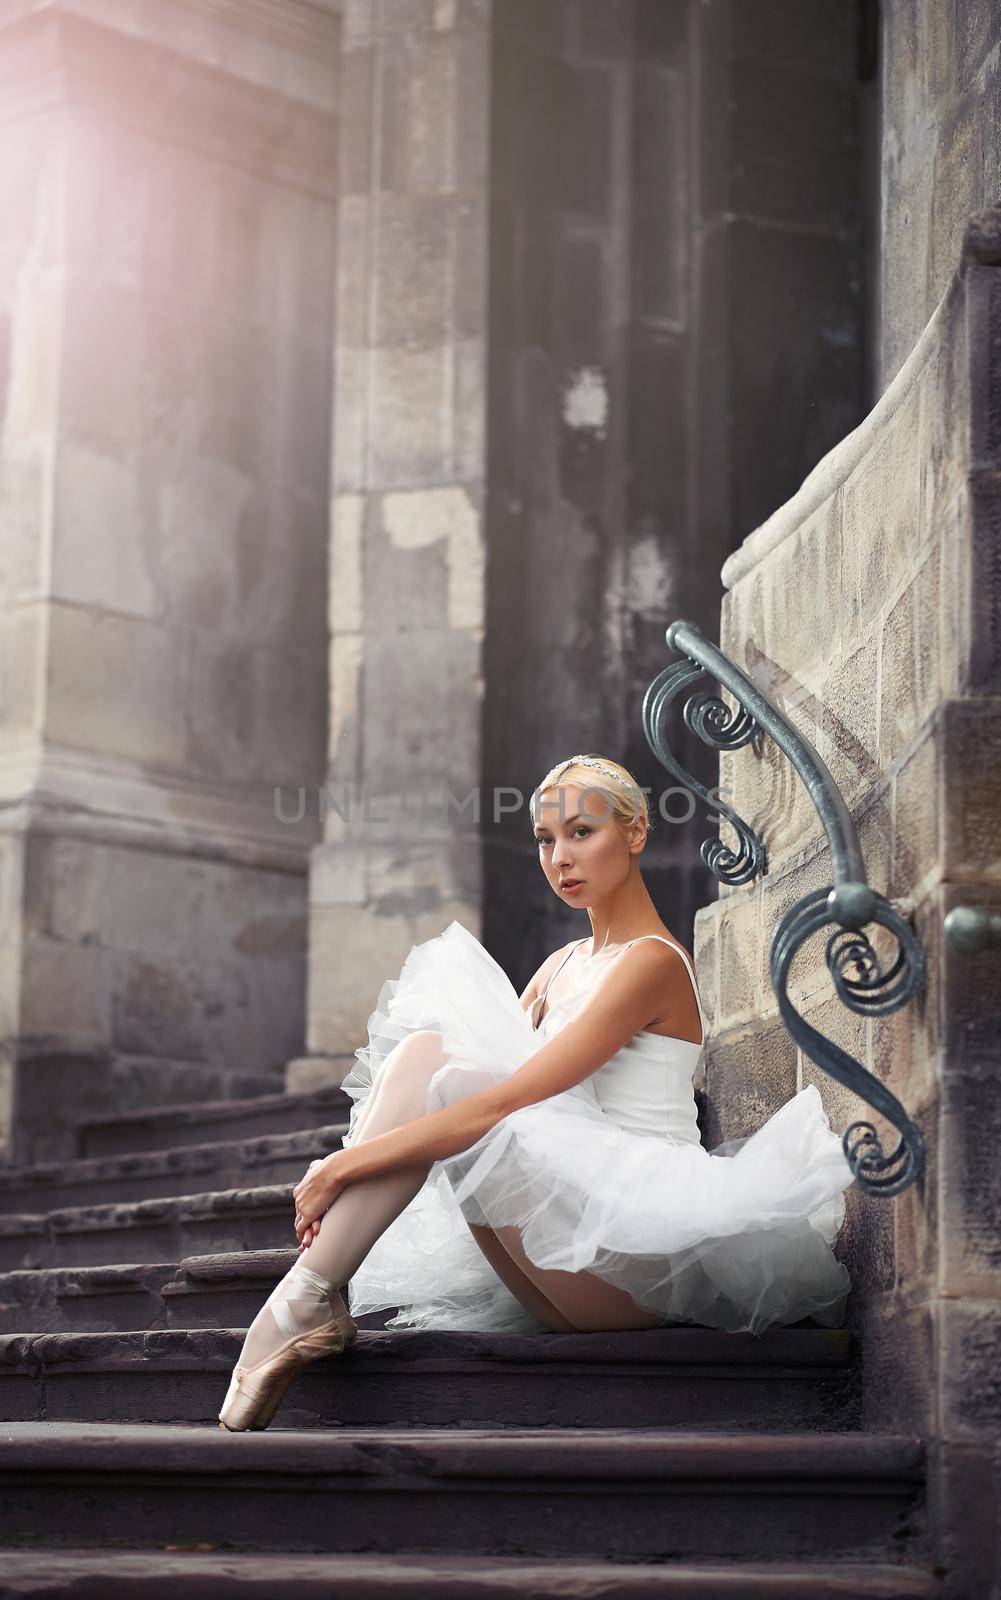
(660, 966)
(663, 946)
(651, 955)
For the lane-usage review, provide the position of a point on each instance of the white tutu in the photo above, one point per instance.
(738, 1238)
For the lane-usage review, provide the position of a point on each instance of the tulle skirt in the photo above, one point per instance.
(738, 1238)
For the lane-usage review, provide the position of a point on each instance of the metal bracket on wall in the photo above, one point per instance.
(850, 902)
(972, 929)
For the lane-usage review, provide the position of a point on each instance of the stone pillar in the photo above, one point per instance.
(868, 607)
(941, 110)
(398, 860)
(778, 241)
(167, 191)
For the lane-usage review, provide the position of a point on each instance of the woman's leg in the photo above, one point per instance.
(307, 1296)
(348, 1231)
(586, 1302)
(363, 1211)
(518, 1281)
(382, 1078)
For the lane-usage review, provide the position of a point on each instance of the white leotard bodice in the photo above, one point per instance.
(647, 1085)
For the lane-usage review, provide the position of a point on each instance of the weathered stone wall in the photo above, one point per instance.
(166, 263)
(867, 609)
(941, 107)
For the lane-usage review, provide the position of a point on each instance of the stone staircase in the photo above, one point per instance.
(677, 1462)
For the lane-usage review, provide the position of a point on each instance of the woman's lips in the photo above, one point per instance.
(571, 884)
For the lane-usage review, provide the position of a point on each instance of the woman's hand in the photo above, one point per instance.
(316, 1192)
(313, 1229)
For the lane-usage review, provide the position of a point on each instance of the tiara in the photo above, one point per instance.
(600, 766)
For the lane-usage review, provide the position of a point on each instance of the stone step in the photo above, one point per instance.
(163, 1229)
(223, 1290)
(692, 1378)
(152, 1174)
(189, 1574)
(202, 1291)
(612, 1494)
(212, 1121)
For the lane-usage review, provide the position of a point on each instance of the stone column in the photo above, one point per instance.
(167, 188)
(941, 113)
(399, 860)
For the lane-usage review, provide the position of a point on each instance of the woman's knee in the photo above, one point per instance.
(426, 1038)
(418, 1056)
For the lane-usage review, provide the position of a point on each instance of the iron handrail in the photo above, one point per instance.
(850, 902)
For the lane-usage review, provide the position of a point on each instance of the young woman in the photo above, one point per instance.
(536, 1163)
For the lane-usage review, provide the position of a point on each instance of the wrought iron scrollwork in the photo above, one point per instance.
(860, 979)
(714, 722)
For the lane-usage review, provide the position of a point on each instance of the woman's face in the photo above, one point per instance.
(584, 850)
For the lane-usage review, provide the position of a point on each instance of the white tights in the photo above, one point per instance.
(567, 1302)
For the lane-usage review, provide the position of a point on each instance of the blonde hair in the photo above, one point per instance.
(627, 802)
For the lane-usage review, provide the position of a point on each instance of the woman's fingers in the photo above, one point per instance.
(300, 1186)
(306, 1230)
(313, 1195)
(309, 1235)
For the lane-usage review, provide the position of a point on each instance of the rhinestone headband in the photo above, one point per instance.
(598, 766)
(592, 761)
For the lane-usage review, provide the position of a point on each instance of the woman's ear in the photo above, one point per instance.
(636, 833)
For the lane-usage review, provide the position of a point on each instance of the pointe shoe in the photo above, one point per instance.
(255, 1393)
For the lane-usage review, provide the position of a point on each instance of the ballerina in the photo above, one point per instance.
(534, 1162)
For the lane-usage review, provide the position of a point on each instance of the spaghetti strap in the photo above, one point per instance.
(540, 999)
(691, 970)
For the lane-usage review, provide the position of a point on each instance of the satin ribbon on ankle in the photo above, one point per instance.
(280, 1311)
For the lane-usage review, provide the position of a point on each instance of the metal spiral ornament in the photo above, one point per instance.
(848, 907)
(715, 724)
(872, 992)
(718, 724)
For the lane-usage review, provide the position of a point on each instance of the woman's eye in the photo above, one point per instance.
(580, 828)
